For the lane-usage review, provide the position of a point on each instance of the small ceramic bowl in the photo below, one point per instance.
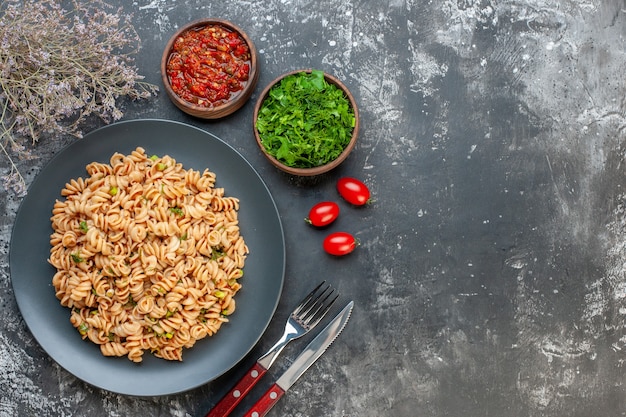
(194, 105)
(321, 169)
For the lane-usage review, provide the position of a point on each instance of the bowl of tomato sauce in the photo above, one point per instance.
(209, 68)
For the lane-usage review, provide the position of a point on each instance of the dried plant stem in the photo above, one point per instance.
(14, 179)
(60, 66)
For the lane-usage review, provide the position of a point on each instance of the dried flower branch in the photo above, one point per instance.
(58, 67)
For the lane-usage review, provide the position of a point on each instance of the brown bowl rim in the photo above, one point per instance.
(223, 109)
(307, 172)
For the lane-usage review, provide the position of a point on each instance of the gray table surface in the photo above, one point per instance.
(490, 280)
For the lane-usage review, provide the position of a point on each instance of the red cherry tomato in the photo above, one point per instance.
(340, 243)
(322, 214)
(353, 191)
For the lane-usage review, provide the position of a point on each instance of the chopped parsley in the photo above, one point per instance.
(305, 121)
(216, 253)
(83, 328)
(177, 211)
(77, 258)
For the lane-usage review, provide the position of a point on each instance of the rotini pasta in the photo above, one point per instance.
(148, 255)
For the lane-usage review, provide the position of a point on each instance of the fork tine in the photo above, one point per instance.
(315, 306)
(321, 311)
(309, 300)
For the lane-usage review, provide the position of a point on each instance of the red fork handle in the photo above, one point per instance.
(266, 402)
(228, 403)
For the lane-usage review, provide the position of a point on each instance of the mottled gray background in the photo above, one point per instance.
(491, 276)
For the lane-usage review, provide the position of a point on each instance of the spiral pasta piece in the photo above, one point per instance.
(148, 255)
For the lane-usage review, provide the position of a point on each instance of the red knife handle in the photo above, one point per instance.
(266, 402)
(228, 403)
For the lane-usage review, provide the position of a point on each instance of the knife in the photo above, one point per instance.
(311, 353)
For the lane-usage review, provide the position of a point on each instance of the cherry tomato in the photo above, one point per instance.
(322, 214)
(353, 191)
(340, 243)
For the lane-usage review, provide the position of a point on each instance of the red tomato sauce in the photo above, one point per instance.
(208, 65)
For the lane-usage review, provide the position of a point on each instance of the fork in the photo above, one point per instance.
(304, 317)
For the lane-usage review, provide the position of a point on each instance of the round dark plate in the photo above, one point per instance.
(31, 275)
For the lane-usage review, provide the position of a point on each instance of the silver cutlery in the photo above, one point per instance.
(309, 355)
(304, 317)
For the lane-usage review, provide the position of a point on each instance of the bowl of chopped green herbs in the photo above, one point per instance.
(306, 122)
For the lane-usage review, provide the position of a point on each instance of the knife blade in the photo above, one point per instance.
(309, 355)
